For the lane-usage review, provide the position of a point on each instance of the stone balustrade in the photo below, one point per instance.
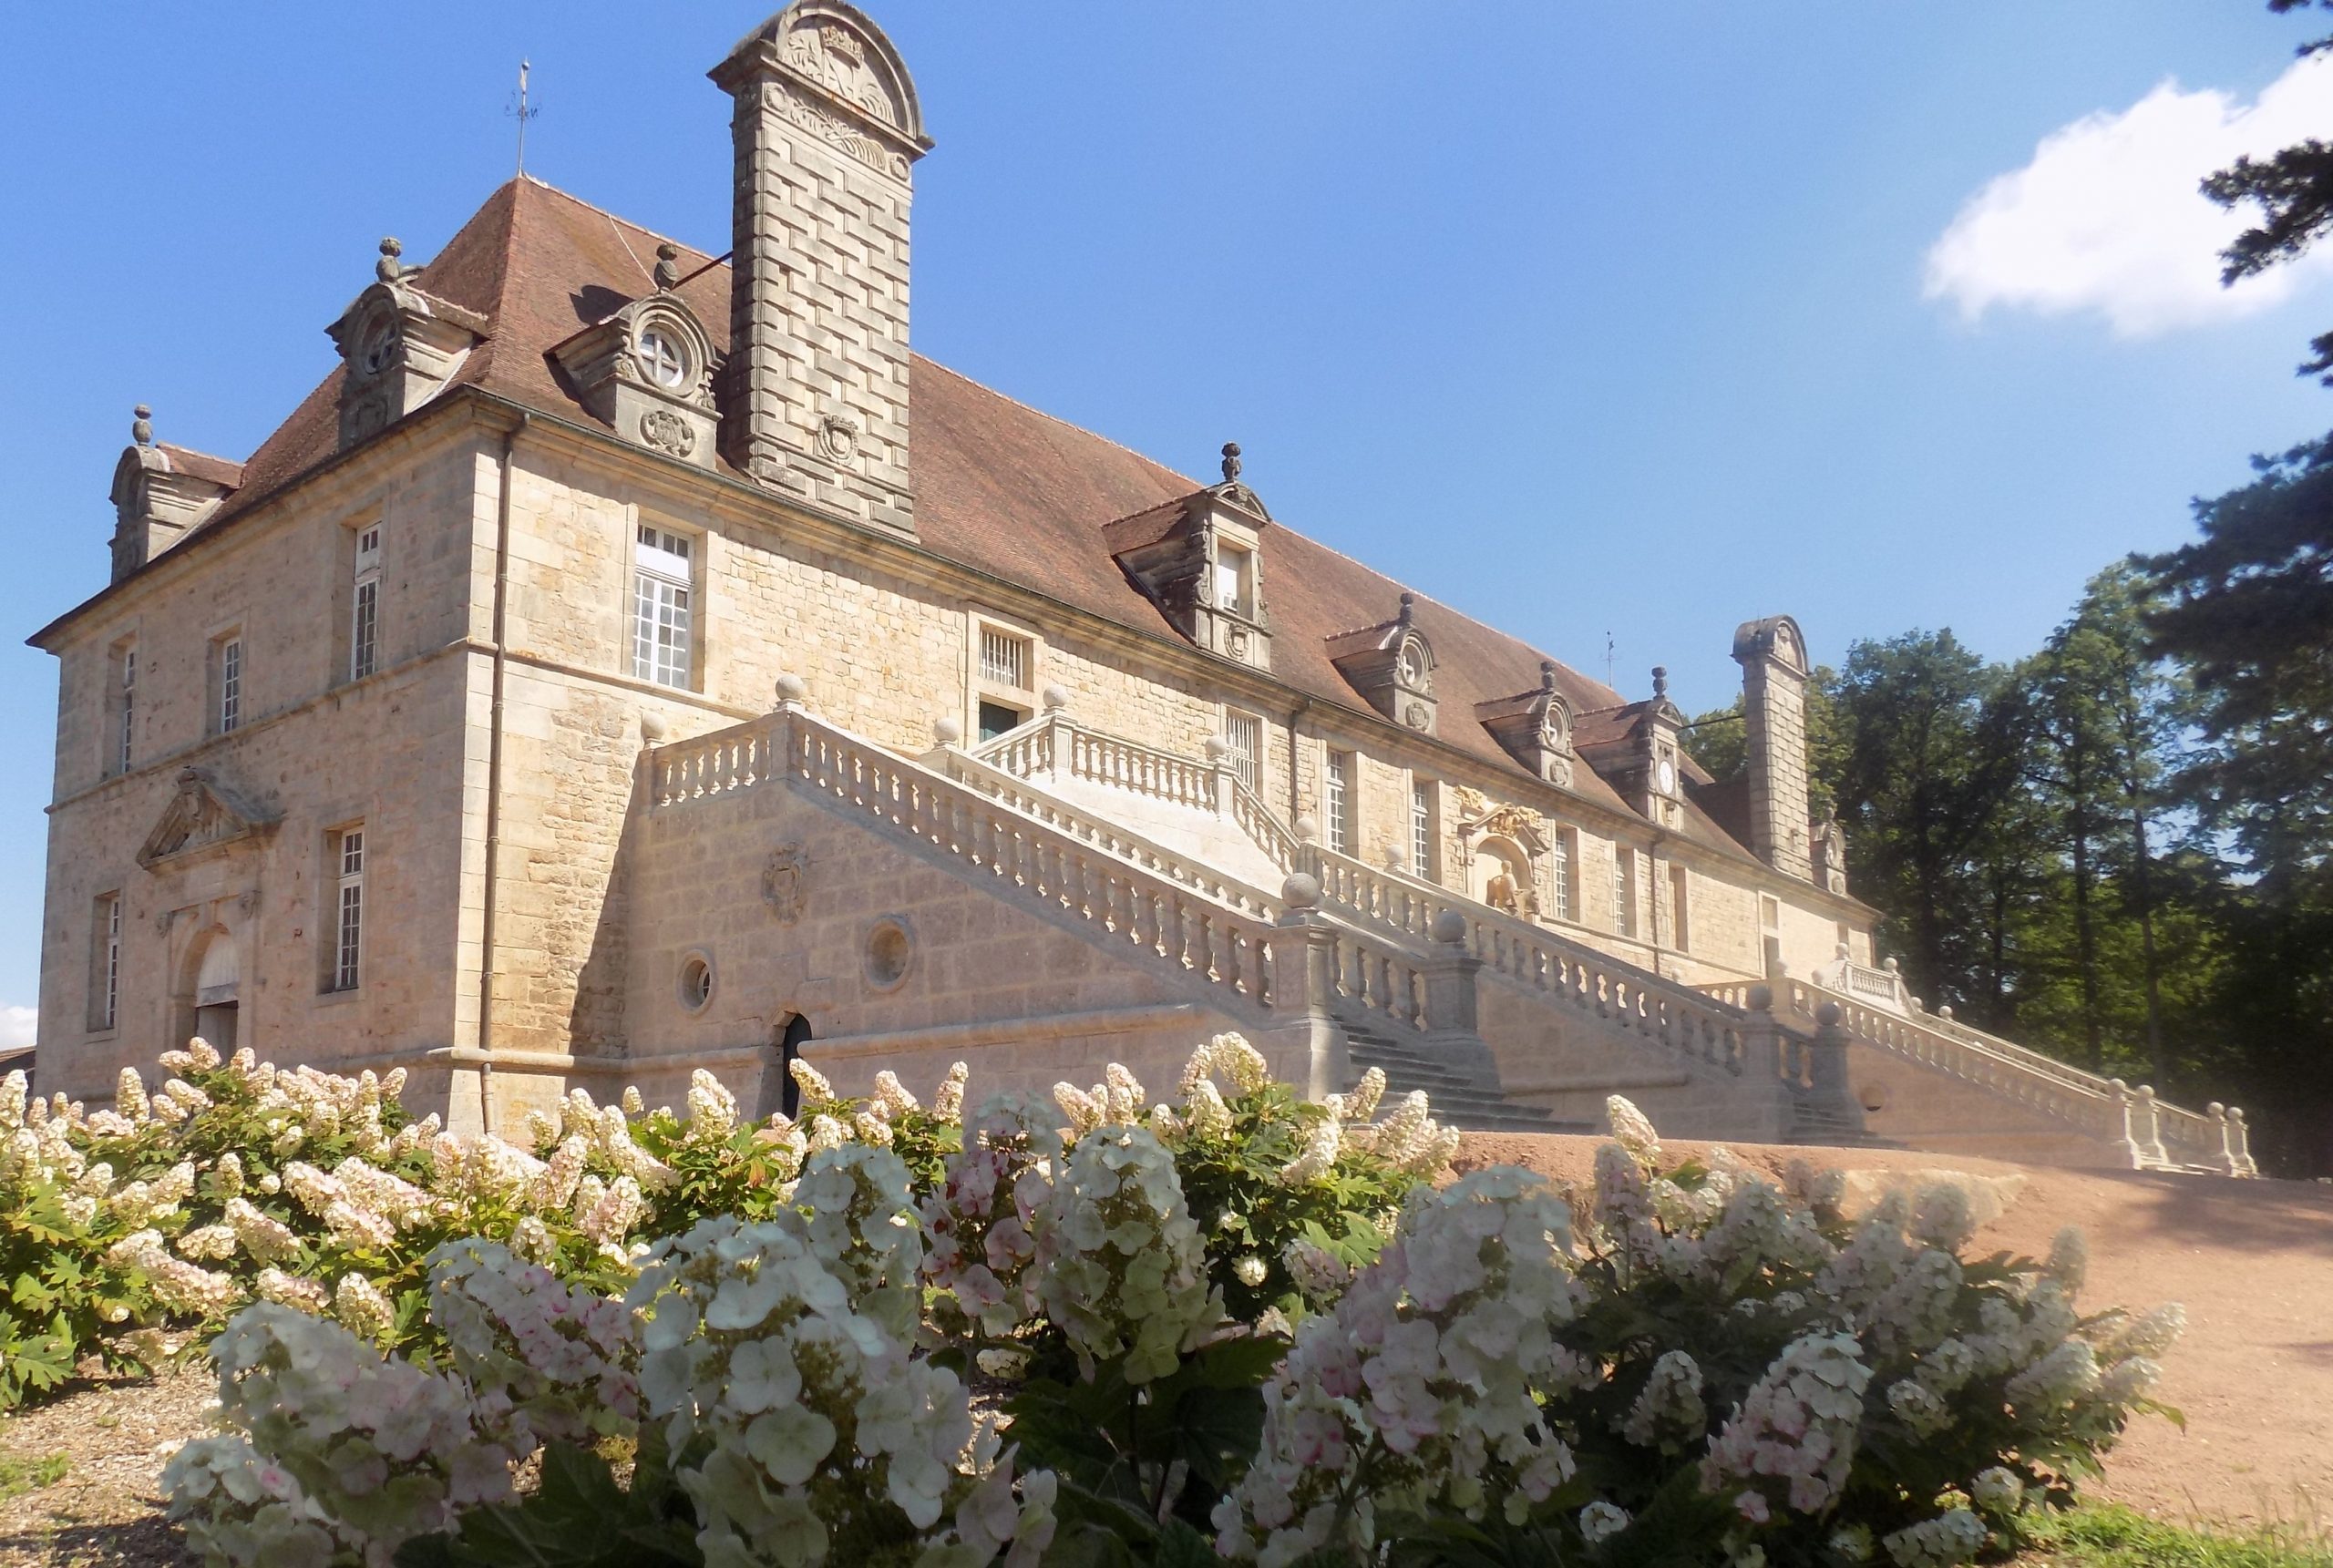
(2147, 1132)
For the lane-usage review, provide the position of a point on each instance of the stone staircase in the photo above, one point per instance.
(1396, 966)
(1459, 1100)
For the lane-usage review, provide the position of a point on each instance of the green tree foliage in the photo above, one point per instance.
(2294, 191)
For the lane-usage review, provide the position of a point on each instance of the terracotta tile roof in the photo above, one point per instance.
(998, 485)
(200, 464)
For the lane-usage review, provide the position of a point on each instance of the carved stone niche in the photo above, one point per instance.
(1534, 727)
(1199, 558)
(648, 371)
(399, 346)
(160, 494)
(1390, 665)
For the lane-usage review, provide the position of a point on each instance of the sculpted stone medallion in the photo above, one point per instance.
(667, 432)
(783, 879)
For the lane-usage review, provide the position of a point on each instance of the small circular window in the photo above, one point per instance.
(696, 981)
(380, 346)
(890, 951)
(660, 358)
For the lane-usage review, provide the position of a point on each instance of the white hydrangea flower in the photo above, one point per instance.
(1797, 1425)
(1599, 1519)
(1120, 1266)
(1950, 1538)
(1632, 1131)
(1668, 1413)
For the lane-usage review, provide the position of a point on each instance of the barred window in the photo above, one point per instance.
(349, 932)
(1336, 800)
(661, 617)
(1244, 734)
(1004, 658)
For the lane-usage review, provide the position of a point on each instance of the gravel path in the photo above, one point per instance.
(114, 1435)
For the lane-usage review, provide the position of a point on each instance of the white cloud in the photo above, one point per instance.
(2107, 216)
(17, 1026)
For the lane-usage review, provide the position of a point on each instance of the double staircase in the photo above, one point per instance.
(1401, 974)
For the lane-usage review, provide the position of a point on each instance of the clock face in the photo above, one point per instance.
(1667, 776)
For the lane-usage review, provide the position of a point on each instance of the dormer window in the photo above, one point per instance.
(661, 360)
(1392, 665)
(1199, 558)
(647, 370)
(400, 345)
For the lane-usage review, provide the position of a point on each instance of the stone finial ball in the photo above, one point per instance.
(1217, 749)
(1890, 965)
(1945, 1012)
(1448, 928)
(1761, 998)
(1057, 698)
(1308, 828)
(792, 688)
(1300, 891)
(2215, 1110)
(2118, 1086)
(1828, 1014)
(947, 730)
(652, 726)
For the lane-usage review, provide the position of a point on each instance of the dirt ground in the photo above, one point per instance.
(2251, 1261)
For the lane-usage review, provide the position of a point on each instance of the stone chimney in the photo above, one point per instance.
(1773, 656)
(826, 134)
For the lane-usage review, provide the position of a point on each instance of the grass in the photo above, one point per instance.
(20, 1474)
(2112, 1536)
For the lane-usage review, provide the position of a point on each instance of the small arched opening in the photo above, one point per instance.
(217, 989)
(779, 1092)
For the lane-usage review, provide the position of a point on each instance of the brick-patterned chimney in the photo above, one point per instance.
(1773, 656)
(826, 131)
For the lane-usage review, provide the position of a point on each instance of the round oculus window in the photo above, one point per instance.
(889, 951)
(696, 982)
(660, 358)
(380, 346)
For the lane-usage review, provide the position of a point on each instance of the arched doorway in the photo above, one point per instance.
(218, 982)
(779, 1092)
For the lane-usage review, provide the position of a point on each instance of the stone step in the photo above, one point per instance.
(1458, 1099)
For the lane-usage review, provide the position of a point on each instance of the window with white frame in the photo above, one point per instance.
(1244, 734)
(1563, 872)
(661, 586)
(125, 730)
(1004, 658)
(1336, 800)
(1235, 574)
(1624, 890)
(365, 605)
(346, 852)
(1681, 918)
(1421, 833)
(105, 961)
(227, 677)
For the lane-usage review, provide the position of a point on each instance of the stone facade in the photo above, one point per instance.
(531, 905)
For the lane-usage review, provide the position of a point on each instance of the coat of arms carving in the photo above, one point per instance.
(782, 882)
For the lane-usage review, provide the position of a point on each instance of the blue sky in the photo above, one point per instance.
(1583, 318)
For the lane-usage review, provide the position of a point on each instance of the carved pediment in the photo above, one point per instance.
(203, 819)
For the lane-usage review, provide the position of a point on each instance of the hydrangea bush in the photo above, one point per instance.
(1234, 1326)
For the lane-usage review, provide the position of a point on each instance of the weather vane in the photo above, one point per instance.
(523, 112)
